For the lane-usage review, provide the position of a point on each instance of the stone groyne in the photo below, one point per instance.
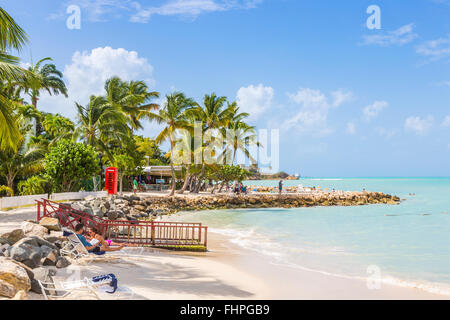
(147, 207)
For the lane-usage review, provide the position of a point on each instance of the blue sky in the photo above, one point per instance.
(348, 101)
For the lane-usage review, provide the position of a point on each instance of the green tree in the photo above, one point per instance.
(132, 98)
(174, 116)
(100, 124)
(12, 37)
(68, 164)
(26, 160)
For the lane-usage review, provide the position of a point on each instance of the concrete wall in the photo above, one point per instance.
(76, 195)
(11, 202)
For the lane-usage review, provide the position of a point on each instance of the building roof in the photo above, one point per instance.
(161, 170)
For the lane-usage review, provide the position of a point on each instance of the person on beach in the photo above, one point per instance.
(135, 185)
(92, 248)
(280, 186)
(93, 233)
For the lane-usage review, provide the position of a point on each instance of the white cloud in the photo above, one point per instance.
(435, 49)
(314, 108)
(373, 110)
(191, 8)
(446, 122)
(418, 125)
(351, 128)
(87, 73)
(386, 133)
(398, 37)
(104, 10)
(255, 100)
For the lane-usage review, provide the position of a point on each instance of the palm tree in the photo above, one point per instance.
(42, 77)
(174, 115)
(242, 135)
(132, 99)
(100, 124)
(26, 160)
(12, 36)
(213, 116)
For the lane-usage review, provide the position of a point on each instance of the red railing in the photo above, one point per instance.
(141, 233)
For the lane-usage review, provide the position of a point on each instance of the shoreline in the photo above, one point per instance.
(227, 271)
(297, 283)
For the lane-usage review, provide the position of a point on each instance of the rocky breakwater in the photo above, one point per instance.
(29, 254)
(133, 208)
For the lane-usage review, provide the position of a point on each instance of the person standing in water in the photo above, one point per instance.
(280, 186)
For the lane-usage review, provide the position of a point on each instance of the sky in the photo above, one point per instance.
(347, 99)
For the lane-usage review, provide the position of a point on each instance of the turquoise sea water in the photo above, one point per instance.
(409, 243)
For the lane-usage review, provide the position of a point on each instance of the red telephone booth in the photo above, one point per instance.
(111, 180)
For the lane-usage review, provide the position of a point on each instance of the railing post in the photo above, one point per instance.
(38, 211)
(153, 233)
(206, 237)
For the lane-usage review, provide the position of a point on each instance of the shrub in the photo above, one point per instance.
(6, 192)
(33, 185)
(68, 164)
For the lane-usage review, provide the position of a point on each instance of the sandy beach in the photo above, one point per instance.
(226, 271)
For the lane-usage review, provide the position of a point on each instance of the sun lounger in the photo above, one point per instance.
(60, 290)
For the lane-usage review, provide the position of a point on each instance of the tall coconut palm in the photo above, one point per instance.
(132, 98)
(174, 116)
(12, 36)
(44, 77)
(100, 124)
(240, 133)
(213, 115)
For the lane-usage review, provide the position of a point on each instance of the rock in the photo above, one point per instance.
(36, 241)
(45, 251)
(35, 287)
(21, 295)
(7, 289)
(140, 207)
(112, 215)
(44, 274)
(14, 235)
(4, 247)
(4, 241)
(30, 228)
(14, 275)
(50, 224)
(89, 198)
(77, 206)
(47, 262)
(62, 262)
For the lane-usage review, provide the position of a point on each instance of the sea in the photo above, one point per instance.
(406, 244)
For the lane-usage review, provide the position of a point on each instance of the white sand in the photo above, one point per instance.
(225, 272)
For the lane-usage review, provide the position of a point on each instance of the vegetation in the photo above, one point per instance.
(45, 152)
(69, 163)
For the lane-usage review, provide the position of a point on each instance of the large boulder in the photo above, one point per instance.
(52, 224)
(14, 274)
(21, 295)
(14, 235)
(4, 241)
(7, 289)
(34, 229)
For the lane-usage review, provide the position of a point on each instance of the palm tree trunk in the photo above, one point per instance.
(186, 180)
(200, 180)
(121, 184)
(172, 168)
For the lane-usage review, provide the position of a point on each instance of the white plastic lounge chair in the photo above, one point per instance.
(60, 290)
(76, 250)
